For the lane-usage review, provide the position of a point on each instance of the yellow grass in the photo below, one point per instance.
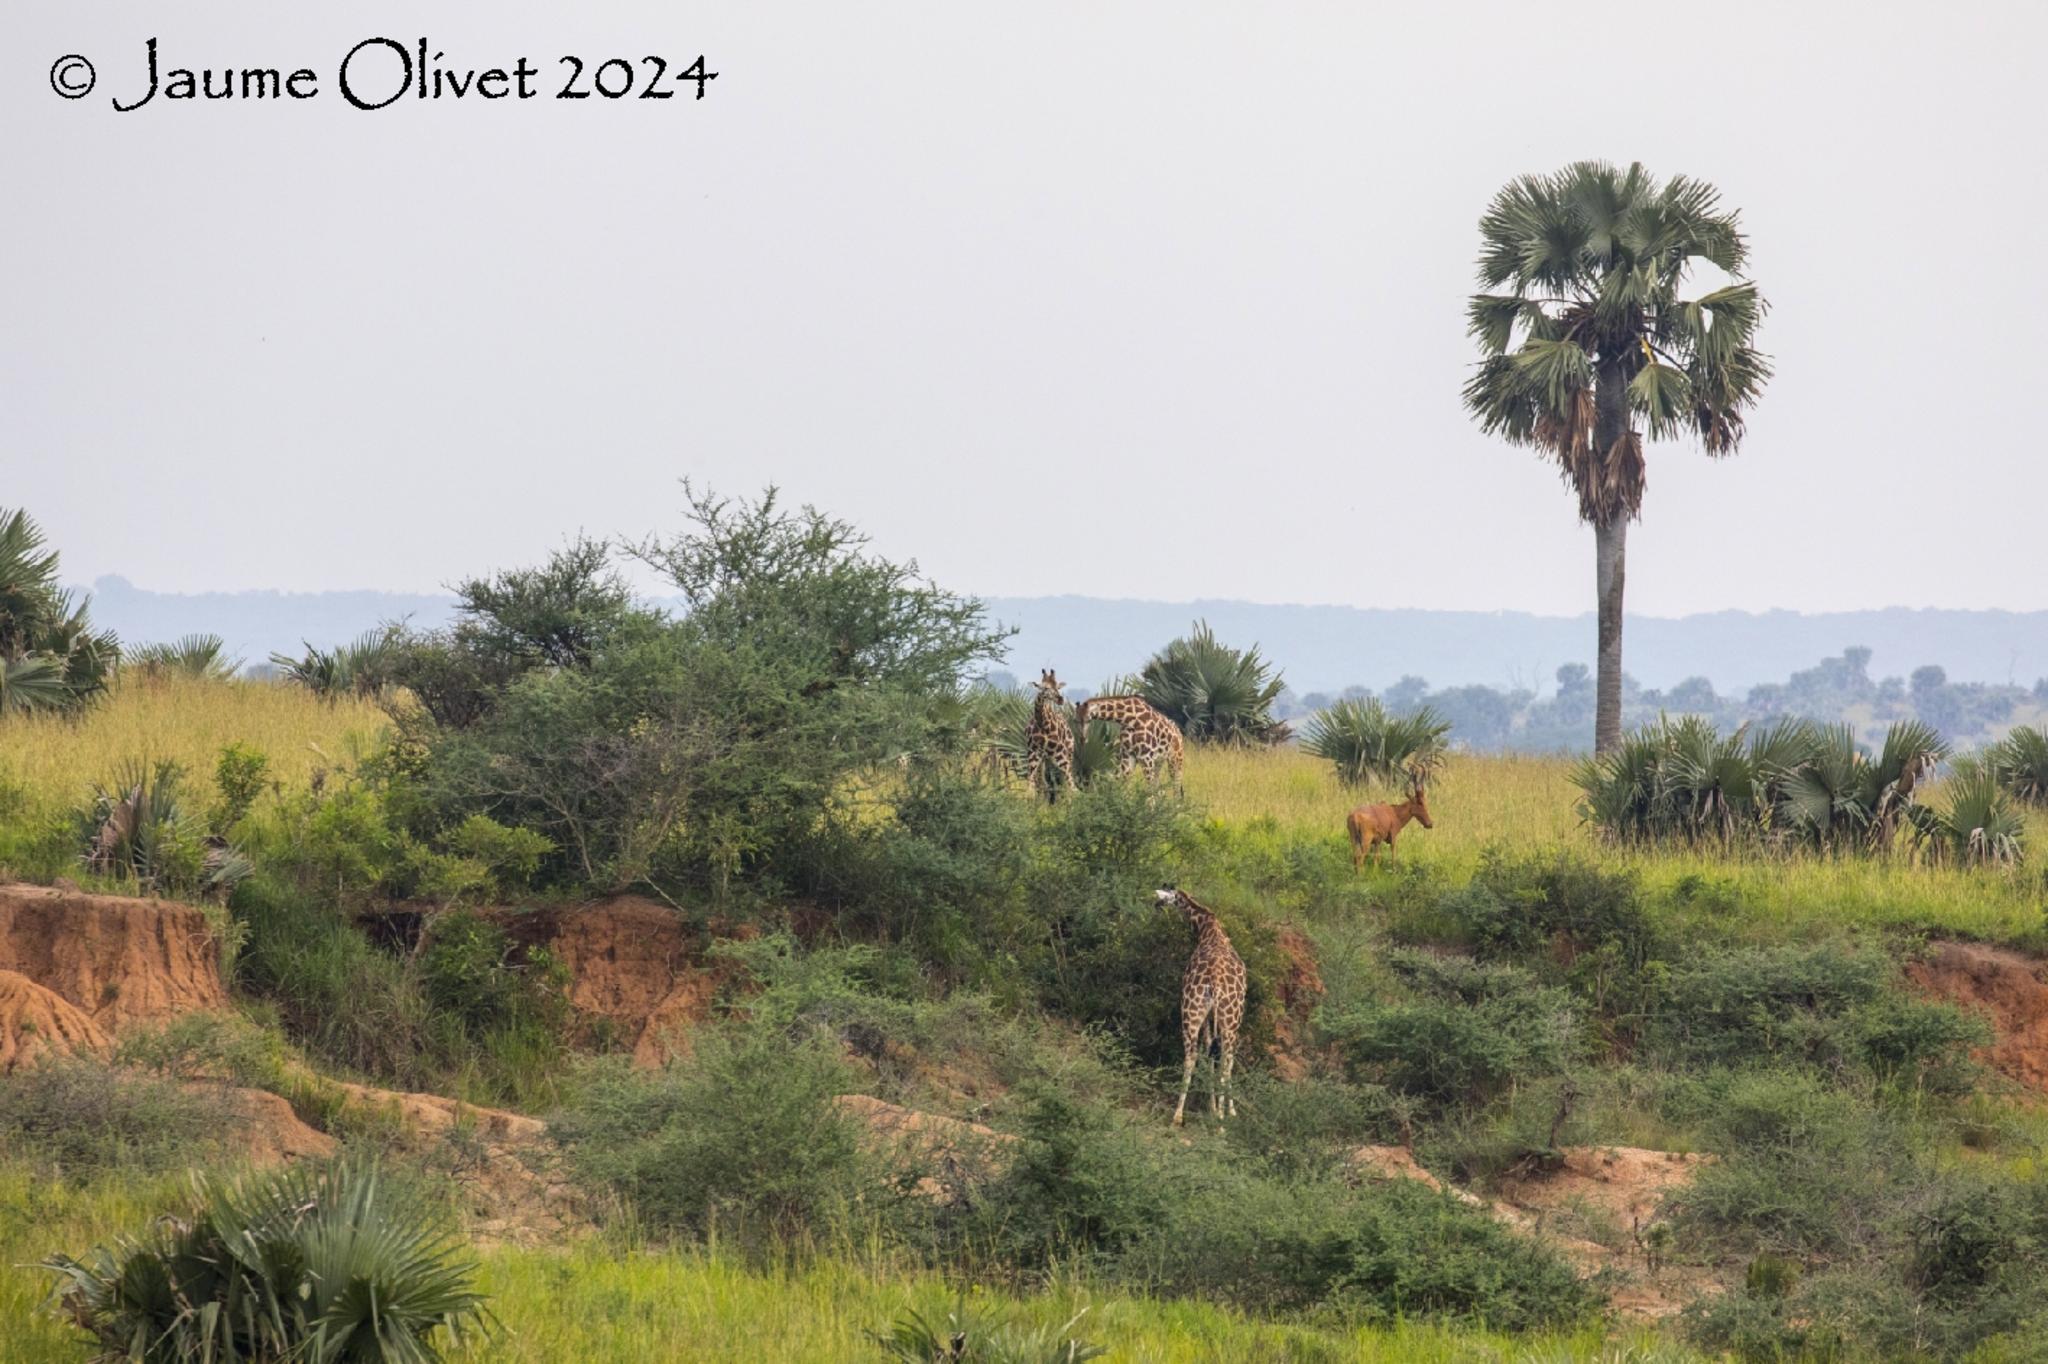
(1529, 804)
(58, 758)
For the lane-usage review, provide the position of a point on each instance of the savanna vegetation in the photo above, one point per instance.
(1707, 950)
(1698, 943)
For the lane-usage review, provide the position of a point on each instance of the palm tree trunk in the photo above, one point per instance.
(1610, 556)
(1610, 563)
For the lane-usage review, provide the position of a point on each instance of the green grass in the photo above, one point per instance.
(596, 1302)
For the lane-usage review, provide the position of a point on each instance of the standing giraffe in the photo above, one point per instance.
(1211, 1002)
(1144, 737)
(1050, 740)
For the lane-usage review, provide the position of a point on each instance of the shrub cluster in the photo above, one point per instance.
(1793, 785)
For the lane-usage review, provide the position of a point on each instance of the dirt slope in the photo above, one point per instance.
(637, 975)
(1300, 991)
(36, 1023)
(1596, 1206)
(117, 960)
(2011, 990)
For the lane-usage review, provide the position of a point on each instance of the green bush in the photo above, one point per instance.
(323, 1265)
(1803, 1166)
(743, 1136)
(1410, 1251)
(473, 971)
(240, 775)
(1472, 1030)
(944, 875)
(1943, 1263)
(1082, 1183)
(140, 827)
(1827, 1005)
(221, 1047)
(77, 1119)
(361, 1008)
(1537, 903)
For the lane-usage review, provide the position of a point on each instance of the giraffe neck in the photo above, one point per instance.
(1044, 711)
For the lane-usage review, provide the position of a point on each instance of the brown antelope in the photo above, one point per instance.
(1372, 825)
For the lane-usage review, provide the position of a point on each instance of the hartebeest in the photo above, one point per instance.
(1372, 825)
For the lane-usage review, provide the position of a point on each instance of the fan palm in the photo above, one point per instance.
(1584, 333)
(325, 1265)
(2020, 763)
(1367, 742)
(50, 656)
(198, 656)
(1213, 692)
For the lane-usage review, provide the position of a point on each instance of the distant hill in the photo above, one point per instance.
(1326, 648)
(1321, 648)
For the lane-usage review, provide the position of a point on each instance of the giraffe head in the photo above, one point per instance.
(1049, 687)
(1171, 897)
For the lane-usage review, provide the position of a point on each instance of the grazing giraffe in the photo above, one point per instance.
(1144, 737)
(1211, 1002)
(1372, 825)
(1050, 740)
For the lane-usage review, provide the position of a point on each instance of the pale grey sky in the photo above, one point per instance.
(1154, 300)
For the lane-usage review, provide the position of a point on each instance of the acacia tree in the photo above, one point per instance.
(1585, 335)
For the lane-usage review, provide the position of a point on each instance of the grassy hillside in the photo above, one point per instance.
(1509, 987)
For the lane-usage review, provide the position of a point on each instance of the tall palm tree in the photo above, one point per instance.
(1584, 334)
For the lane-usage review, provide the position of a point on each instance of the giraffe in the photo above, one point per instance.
(1144, 737)
(1211, 1002)
(1050, 740)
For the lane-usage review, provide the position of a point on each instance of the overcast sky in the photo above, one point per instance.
(1150, 300)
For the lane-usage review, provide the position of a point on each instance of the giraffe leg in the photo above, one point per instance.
(1187, 1075)
(1229, 1063)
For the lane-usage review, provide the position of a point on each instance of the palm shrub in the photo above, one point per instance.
(199, 656)
(362, 667)
(1794, 784)
(1981, 825)
(1840, 798)
(2020, 763)
(136, 826)
(972, 1336)
(50, 656)
(1215, 693)
(311, 1264)
(1368, 743)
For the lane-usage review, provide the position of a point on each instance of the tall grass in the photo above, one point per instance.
(187, 720)
(1528, 803)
